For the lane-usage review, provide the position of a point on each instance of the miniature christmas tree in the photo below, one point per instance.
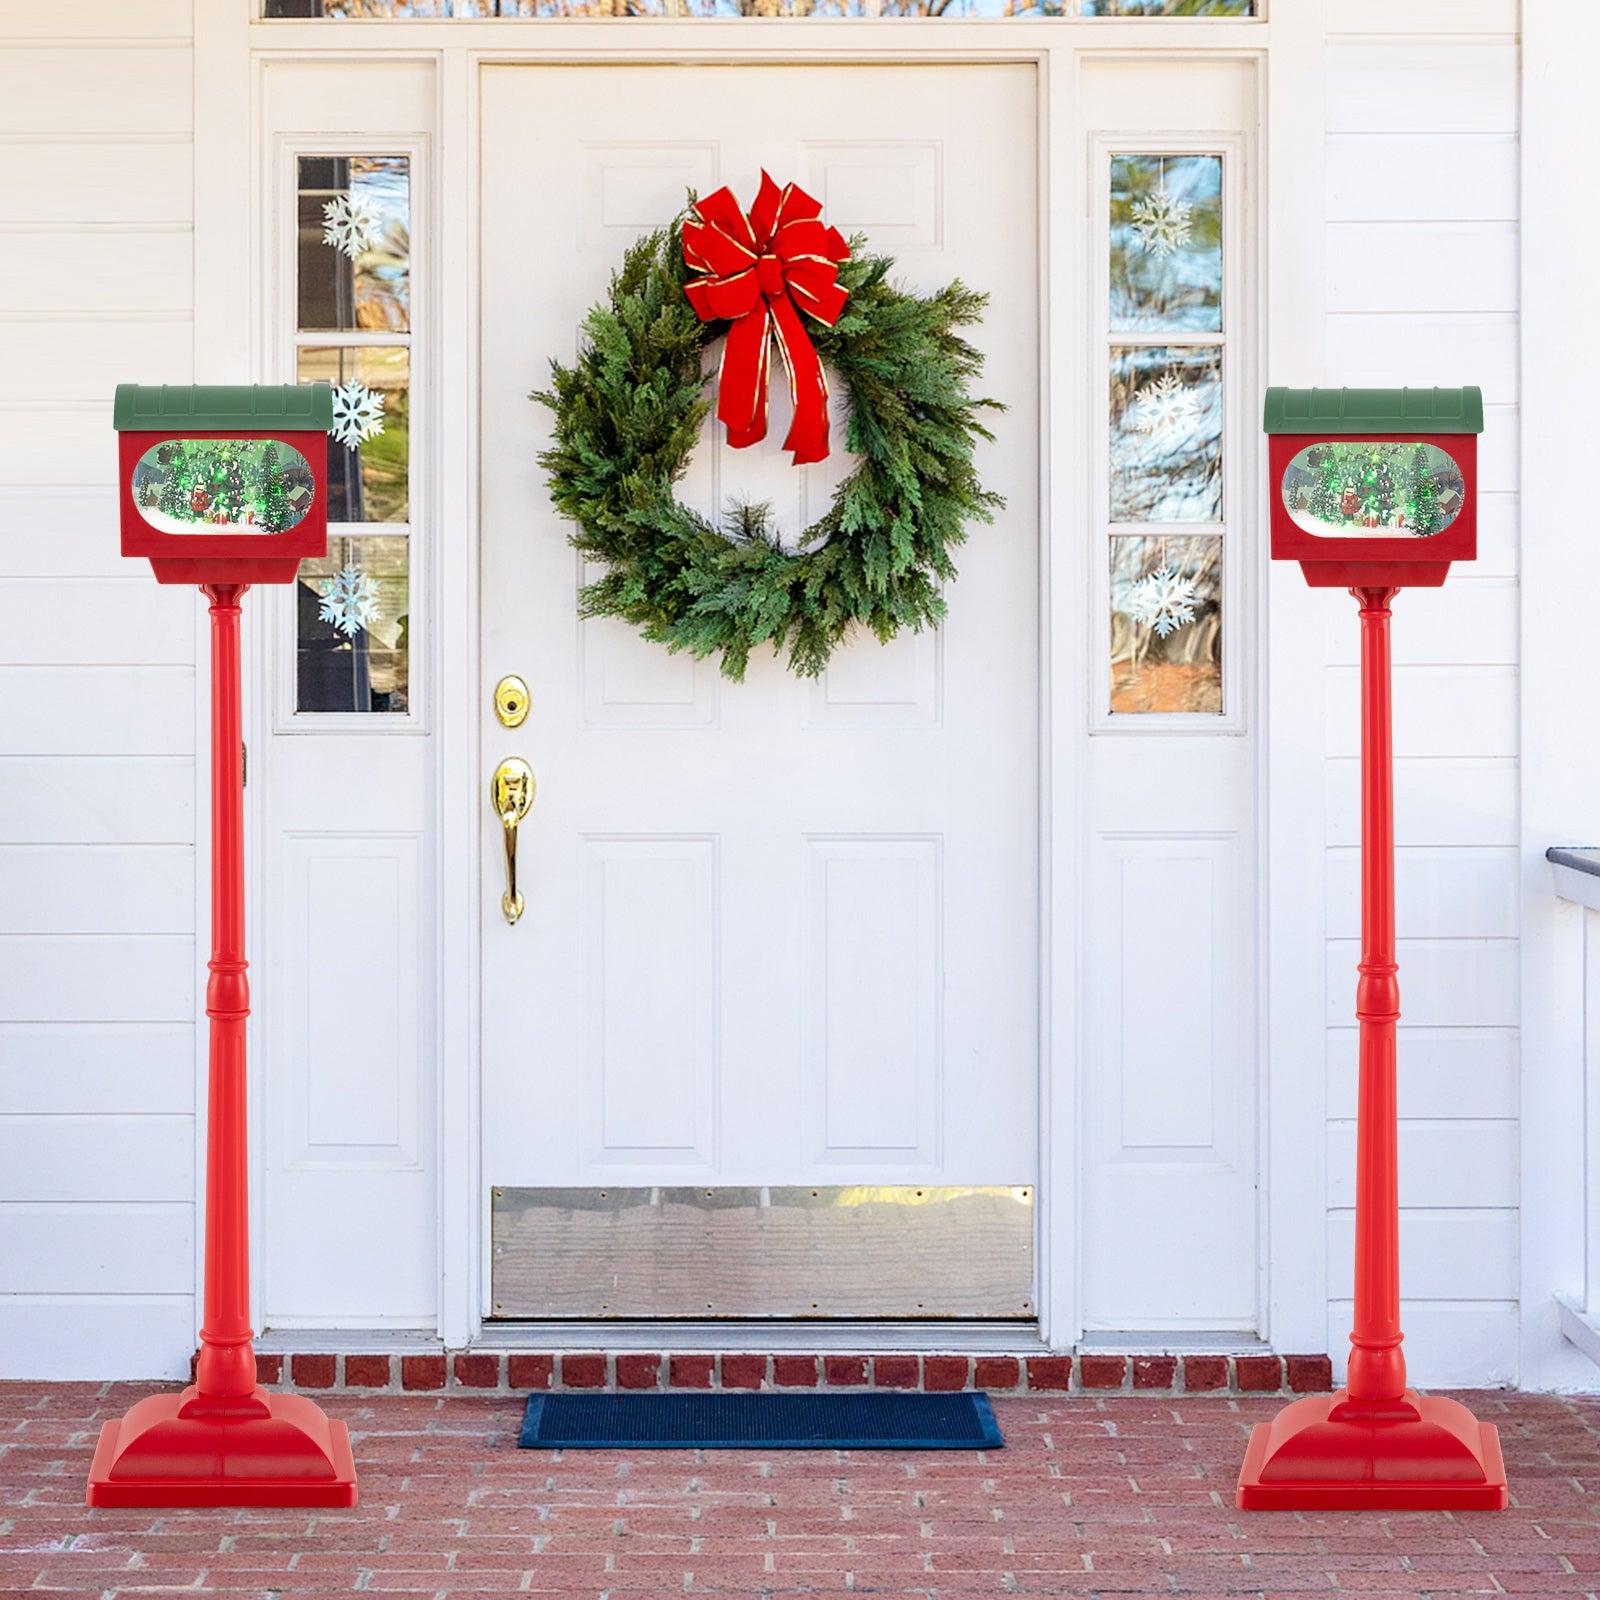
(272, 499)
(1385, 494)
(174, 501)
(1424, 513)
(235, 497)
(1325, 497)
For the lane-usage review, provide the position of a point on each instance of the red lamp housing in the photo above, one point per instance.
(223, 484)
(1374, 487)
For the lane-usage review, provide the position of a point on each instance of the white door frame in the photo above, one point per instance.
(230, 54)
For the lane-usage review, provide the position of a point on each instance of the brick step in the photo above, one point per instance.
(510, 1372)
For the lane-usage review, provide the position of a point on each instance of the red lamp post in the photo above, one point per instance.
(1360, 479)
(224, 487)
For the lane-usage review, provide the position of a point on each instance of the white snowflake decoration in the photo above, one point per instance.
(1168, 406)
(349, 224)
(357, 413)
(1163, 601)
(350, 601)
(1161, 221)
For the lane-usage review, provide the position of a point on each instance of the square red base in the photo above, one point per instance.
(189, 1450)
(1329, 1453)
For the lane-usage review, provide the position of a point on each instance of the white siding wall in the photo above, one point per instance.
(1422, 115)
(98, 960)
(97, 702)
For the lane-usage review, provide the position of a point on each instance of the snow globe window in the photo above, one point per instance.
(210, 486)
(1358, 489)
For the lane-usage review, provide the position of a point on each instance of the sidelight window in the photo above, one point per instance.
(1164, 506)
(353, 331)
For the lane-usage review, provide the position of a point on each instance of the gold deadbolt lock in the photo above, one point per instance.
(511, 701)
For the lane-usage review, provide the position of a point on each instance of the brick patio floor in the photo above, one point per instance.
(1092, 1496)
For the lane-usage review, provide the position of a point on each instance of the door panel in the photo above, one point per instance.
(778, 932)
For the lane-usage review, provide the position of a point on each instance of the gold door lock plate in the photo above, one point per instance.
(511, 701)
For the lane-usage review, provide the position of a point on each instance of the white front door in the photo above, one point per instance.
(779, 932)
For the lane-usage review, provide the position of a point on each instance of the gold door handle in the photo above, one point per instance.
(512, 792)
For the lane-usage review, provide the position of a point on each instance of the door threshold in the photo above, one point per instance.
(1021, 1336)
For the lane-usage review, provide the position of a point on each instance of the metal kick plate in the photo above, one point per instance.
(847, 1251)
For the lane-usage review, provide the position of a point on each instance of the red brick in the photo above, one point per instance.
(691, 1372)
(743, 1372)
(530, 1372)
(477, 1370)
(794, 1372)
(1049, 1372)
(314, 1371)
(844, 1372)
(1309, 1374)
(1154, 1372)
(422, 1372)
(1102, 1372)
(637, 1371)
(1258, 1374)
(269, 1369)
(945, 1372)
(583, 1372)
(996, 1372)
(1205, 1372)
(366, 1372)
(894, 1372)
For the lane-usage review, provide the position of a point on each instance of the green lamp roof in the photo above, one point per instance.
(222, 408)
(1374, 410)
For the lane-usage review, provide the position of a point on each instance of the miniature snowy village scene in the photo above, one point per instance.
(1350, 488)
(190, 486)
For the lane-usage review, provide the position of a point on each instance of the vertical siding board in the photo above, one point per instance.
(97, 702)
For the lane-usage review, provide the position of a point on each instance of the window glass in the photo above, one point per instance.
(1166, 244)
(1168, 8)
(353, 623)
(354, 239)
(353, 331)
(1166, 623)
(377, 9)
(369, 446)
(1165, 330)
(1166, 434)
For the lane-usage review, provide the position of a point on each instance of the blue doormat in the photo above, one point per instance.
(759, 1422)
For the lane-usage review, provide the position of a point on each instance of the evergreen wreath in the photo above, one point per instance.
(628, 414)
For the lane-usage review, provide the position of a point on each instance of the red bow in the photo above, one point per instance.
(758, 270)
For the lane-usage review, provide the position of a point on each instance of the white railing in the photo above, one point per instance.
(1577, 878)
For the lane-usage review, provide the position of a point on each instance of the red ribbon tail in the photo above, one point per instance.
(808, 385)
(742, 381)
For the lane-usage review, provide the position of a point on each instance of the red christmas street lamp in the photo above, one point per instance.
(1374, 490)
(224, 487)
